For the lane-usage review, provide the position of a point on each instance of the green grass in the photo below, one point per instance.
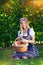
(6, 58)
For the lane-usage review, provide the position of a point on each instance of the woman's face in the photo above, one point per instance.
(24, 24)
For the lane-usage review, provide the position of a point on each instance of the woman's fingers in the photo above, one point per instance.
(23, 40)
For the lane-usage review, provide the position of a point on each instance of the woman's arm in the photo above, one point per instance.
(29, 41)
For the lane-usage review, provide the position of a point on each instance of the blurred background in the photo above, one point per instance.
(10, 13)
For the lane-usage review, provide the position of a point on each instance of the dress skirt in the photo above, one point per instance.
(31, 52)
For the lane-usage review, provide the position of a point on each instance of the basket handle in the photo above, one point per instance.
(15, 41)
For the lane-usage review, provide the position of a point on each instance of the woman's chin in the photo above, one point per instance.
(24, 27)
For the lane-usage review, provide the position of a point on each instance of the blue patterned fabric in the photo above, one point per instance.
(31, 52)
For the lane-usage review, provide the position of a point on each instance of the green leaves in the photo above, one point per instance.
(9, 20)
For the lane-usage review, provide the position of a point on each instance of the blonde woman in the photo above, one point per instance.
(24, 32)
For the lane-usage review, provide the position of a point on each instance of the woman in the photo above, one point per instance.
(24, 32)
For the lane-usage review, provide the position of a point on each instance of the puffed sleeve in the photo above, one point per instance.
(32, 32)
(18, 33)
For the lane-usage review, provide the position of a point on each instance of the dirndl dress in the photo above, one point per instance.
(31, 52)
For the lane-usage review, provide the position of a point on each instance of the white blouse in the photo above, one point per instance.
(31, 32)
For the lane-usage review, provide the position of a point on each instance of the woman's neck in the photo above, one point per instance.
(25, 30)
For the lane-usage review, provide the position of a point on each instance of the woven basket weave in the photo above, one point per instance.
(20, 48)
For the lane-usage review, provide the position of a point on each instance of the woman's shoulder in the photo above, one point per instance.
(31, 29)
(19, 32)
(32, 32)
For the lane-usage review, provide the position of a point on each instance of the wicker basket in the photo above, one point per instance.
(20, 48)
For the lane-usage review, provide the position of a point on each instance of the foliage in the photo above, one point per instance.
(10, 13)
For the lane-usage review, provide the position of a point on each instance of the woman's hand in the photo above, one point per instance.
(23, 40)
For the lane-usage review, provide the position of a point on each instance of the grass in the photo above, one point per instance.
(6, 58)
